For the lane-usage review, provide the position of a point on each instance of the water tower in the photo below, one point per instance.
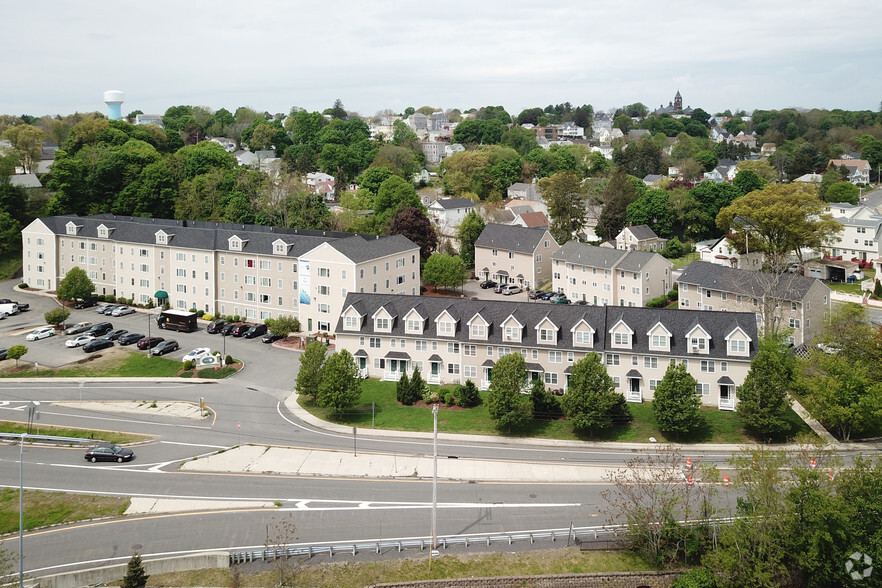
(114, 99)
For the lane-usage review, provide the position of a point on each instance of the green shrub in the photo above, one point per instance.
(296, 325)
(236, 318)
(431, 396)
(673, 295)
(23, 285)
(109, 298)
(56, 316)
(189, 364)
(467, 395)
(697, 578)
(402, 390)
(229, 318)
(200, 313)
(207, 317)
(545, 404)
(228, 360)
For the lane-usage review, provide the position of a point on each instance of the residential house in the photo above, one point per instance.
(531, 220)
(811, 178)
(858, 169)
(722, 251)
(602, 121)
(768, 149)
(653, 180)
(433, 151)
(639, 238)
(452, 148)
(791, 300)
(449, 212)
(523, 191)
(257, 272)
(861, 231)
(609, 277)
(451, 342)
(150, 119)
(25, 181)
(514, 255)
(746, 138)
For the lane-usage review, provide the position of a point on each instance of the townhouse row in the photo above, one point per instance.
(253, 271)
(450, 342)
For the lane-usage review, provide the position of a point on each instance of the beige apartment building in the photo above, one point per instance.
(450, 342)
(255, 272)
(602, 276)
(792, 301)
(511, 254)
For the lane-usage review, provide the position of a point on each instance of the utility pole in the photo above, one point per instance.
(434, 479)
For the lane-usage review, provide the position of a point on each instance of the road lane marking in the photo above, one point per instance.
(196, 445)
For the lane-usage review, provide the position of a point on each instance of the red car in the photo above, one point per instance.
(149, 342)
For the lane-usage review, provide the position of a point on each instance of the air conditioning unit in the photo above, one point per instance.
(695, 348)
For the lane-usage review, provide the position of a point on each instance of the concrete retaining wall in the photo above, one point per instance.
(80, 578)
(610, 580)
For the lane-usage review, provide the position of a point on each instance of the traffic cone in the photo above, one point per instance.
(688, 463)
(689, 480)
(831, 476)
(726, 481)
(814, 464)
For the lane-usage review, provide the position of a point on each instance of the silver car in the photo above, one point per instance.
(122, 311)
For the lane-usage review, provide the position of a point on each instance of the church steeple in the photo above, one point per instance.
(678, 101)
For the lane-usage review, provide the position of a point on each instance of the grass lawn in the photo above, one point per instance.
(721, 426)
(357, 574)
(108, 436)
(685, 259)
(132, 364)
(51, 508)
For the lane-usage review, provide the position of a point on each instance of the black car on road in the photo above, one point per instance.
(109, 452)
(130, 338)
(97, 344)
(216, 326)
(166, 346)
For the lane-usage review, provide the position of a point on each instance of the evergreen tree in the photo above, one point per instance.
(467, 395)
(418, 386)
(675, 403)
(469, 230)
(402, 390)
(762, 399)
(135, 577)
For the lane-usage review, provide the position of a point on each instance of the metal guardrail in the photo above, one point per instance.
(572, 535)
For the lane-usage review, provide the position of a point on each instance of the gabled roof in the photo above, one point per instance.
(793, 287)
(453, 203)
(534, 219)
(599, 318)
(642, 232)
(635, 261)
(589, 255)
(511, 238)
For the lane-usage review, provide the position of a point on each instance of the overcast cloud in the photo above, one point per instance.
(60, 56)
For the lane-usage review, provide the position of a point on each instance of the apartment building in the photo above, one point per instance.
(450, 342)
(256, 272)
(514, 254)
(639, 238)
(602, 276)
(793, 301)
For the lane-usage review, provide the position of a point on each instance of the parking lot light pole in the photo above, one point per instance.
(434, 477)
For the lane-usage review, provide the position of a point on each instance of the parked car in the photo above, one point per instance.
(3, 352)
(536, 294)
(40, 333)
(78, 340)
(99, 329)
(216, 326)
(581, 302)
(562, 300)
(109, 310)
(270, 337)
(197, 354)
(109, 452)
(487, 284)
(255, 331)
(97, 344)
(239, 330)
(130, 338)
(510, 289)
(149, 342)
(498, 288)
(85, 303)
(547, 296)
(166, 346)
(122, 311)
(78, 328)
(228, 328)
(102, 307)
(115, 334)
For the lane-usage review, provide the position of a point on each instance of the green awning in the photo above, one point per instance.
(161, 294)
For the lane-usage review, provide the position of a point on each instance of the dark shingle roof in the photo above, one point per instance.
(511, 238)
(792, 287)
(588, 255)
(453, 203)
(530, 314)
(642, 232)
(214, 236)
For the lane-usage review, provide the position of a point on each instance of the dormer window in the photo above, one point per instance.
(381, 324)
(104, 231)
(622, 339)
(698, 343)
(236, 244)
(512, 333)
(414, 326)
(659, 342)
(352, 323)
(163, 238)
(737, 346)
(479, 331)
(547, 335)
(280, 247)
(71, 228)
(445, 328)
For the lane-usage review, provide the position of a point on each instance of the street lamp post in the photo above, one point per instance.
(21, 512)
(434, 477)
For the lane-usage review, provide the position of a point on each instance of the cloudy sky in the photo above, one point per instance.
(61, 56)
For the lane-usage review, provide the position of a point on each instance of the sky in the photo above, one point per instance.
(61, 56)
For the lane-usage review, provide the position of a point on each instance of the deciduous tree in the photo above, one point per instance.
(27, 142)
(16, 352)
(340, 385)
(468, 232)
(444, 271)
(312, 363)
(76, 285)
(508, 407)
(283, 325)
(763, 398)
(592, 403)
(57, 316)
(675, 403)
(617, 196)
(411, 222)
(565, 197)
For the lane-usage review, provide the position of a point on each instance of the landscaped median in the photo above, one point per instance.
(378, 408)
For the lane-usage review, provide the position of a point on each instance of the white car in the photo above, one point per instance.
(40, 333)
(79, 340)
(197, 354)
(122, 311)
